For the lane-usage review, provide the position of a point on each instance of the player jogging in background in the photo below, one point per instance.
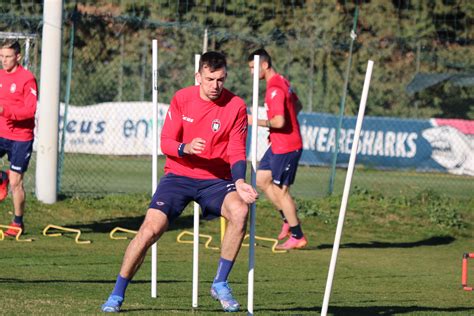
(277, 169)
(18, 99)
(203, 138)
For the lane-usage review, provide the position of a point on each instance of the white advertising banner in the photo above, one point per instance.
(113, 128)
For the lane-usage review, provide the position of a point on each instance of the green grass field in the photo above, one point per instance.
(98, 175)
(399, 256)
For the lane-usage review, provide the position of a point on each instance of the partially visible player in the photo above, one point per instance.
(203, 138)
(18, 99)
(277, 169)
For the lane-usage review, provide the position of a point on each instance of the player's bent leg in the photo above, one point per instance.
(286, 203)
(18, 197)
(4, 181)
(154, 225)
(235, 211)
(18, 191)
(264, 179)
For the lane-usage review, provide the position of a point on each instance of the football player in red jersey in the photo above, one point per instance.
(203, 138)
(277, 169)
(18, 99)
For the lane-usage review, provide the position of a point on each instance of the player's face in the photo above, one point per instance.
(9, 59)
(211, 82)
(261, 75)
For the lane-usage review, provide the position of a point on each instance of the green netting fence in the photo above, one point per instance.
(423, 69)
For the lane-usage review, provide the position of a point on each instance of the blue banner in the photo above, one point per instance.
(389, 143)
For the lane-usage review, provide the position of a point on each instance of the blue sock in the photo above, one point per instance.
(18, 219)
(223, 270)
(120, 286)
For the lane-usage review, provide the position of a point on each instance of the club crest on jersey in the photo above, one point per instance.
(216, 125)
(13, 88)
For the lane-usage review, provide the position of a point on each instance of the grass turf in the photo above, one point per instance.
(99, 175)
(398, 256)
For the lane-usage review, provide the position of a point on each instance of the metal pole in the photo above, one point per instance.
(204, 42)
(342, 105)
(347, 187)
(196, 221)
(253, 146)
(154, 162)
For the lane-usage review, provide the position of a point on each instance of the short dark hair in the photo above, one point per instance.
(212, 60)
(264, 56)
(12, 44)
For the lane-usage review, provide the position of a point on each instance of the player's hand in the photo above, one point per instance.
(246, 191)
(196, 146)
(249, 118)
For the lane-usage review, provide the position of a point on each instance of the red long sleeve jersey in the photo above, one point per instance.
(221, 123)
(18, 96)
(280, 100)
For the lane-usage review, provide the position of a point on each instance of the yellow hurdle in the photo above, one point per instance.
(112, 233)
(223, 228)
(275, 243)
(71, 230)
(208, 237)
(17, 238)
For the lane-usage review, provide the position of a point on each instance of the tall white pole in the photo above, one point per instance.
(347, 187)
(253, 148)
(196, 221)
(48, 109)
(204, 41)
(154, 180)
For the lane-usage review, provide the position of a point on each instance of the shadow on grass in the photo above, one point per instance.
(432, 241)
(132, 223)
(373, 310)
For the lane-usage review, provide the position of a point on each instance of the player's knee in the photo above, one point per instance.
(16, 184)
(150, 231)
(147, 234)
(263, 183)
(238, 215)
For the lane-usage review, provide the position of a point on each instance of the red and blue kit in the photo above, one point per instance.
(280, 99)
(18, 96)
(222, 123)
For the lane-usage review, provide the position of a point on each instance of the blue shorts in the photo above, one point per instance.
(19, 153)
(174, 193)
(282, 166)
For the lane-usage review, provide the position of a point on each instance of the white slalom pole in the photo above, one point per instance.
(196, 222)
(253, 148)
(347, 187)
(154, 173)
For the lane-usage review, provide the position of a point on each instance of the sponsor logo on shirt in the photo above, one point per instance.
(13, 88)
(216, 125)
(33, 91)
(188, 119)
